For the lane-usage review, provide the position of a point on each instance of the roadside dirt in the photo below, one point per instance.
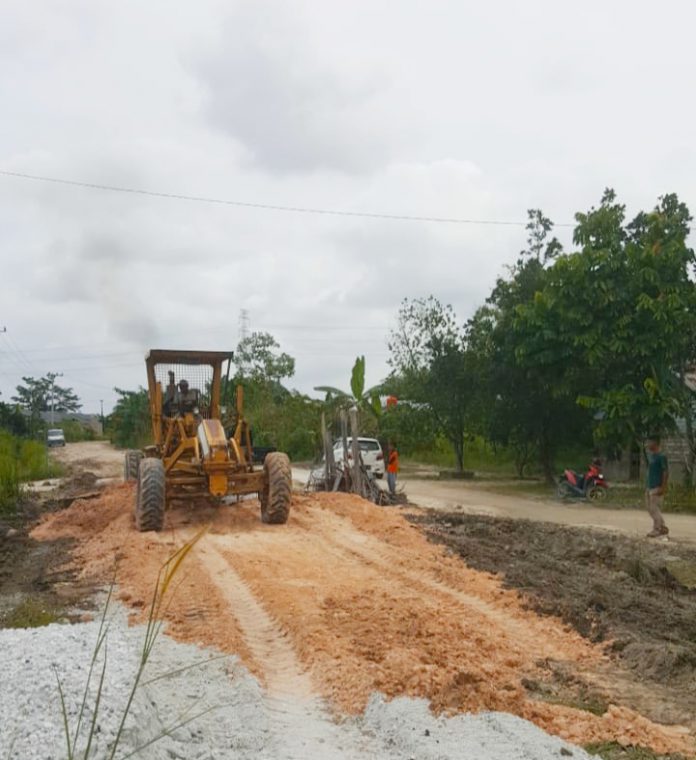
(36, 585)
(639, 597)
(348, 599)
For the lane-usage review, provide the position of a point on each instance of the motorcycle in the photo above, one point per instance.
(592, 485)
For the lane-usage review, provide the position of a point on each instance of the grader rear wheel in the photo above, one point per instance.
(149, 506)
(277, 489)
(131, 463)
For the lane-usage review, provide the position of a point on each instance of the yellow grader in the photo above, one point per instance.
(192, 457)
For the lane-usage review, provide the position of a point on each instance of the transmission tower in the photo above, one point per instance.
(244, 327)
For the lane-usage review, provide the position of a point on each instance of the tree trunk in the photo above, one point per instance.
(691, 448)
(355, 446)
(546, 460)
(459, 454)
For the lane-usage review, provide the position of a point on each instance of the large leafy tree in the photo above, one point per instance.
(278, 416)
(622, 312)
(258, 358)
(37, 395)
(433, 369)
(528, 406)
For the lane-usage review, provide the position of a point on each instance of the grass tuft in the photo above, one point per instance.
(30, 613)
(160, 600)
(614, 751)
(21, 459)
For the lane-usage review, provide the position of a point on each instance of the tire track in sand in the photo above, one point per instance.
(272, 651)
(299, 714)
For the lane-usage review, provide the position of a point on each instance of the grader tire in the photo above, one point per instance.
(149, 506)
(277, 489)
(131, 463)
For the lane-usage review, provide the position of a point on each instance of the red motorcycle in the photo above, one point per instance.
(592, 485)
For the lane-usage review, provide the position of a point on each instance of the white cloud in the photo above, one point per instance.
(456, 109)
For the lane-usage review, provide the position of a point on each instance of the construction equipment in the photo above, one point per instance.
(192, 456)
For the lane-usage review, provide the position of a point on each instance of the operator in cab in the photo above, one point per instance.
(187, 399)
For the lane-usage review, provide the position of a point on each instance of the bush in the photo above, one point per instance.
(129, 425)
(74, 431)
(301, 444)
(21, 459)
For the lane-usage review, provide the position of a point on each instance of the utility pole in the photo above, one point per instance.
(101, 402)
(53, 376)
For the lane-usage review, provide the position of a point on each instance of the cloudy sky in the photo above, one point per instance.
(474, 110)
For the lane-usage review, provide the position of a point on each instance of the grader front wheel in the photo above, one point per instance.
(149, 506)
(277, 489)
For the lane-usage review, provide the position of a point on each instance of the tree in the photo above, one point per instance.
(129, 424)
(12, 419)
(526, 405)
(279, 417)
(622, 312)
(43, 394)
(257, 358)
(365, 399)
(432, 367)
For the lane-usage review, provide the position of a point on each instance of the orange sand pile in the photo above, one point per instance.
(366, 601)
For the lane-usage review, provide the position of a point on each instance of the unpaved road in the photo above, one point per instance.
(348, 599)
(470, 498)
(97, 457)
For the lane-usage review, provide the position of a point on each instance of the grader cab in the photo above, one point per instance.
(192, 456)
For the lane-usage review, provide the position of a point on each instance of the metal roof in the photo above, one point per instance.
(174, 356)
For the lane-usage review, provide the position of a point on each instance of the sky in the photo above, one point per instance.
(476, 110)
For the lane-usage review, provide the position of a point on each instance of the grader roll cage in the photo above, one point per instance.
(192, 457)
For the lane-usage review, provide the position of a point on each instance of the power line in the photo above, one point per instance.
(267, 206)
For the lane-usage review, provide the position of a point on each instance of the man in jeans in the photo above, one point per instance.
(656, 487)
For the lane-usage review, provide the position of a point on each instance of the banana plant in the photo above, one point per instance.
(367, 399)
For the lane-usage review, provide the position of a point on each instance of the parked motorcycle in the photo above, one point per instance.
(592, 485)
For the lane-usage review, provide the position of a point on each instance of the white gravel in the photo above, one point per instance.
(240, 722)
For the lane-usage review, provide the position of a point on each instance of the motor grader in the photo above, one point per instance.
(192, 456)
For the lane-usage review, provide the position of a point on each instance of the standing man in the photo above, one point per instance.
(392, 467)
(656, 486)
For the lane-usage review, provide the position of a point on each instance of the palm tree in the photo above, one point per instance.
(364, 399)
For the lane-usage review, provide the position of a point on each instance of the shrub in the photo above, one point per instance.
(21, 459)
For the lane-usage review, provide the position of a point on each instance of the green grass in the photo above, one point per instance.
(30, 613)
(614, 751)
(21, 460)
(488, 460)
(632, 496)
(618, 496)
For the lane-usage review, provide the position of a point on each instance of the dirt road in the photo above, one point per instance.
(470, 498)
(97, 457)
(349, 599)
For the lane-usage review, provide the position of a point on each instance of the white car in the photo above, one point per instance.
(55, 437)
(372, 454)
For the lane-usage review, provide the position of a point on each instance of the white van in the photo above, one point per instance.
(55, 437)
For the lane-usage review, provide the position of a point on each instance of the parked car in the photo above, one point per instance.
(372, 454)
(55, 437)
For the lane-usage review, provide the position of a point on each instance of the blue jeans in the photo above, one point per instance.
(391, 482)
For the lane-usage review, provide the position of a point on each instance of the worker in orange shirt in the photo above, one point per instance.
(392, 467)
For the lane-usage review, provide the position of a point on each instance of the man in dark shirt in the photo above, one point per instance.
(656, 487)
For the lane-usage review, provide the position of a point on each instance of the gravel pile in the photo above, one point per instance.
(230, 717)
